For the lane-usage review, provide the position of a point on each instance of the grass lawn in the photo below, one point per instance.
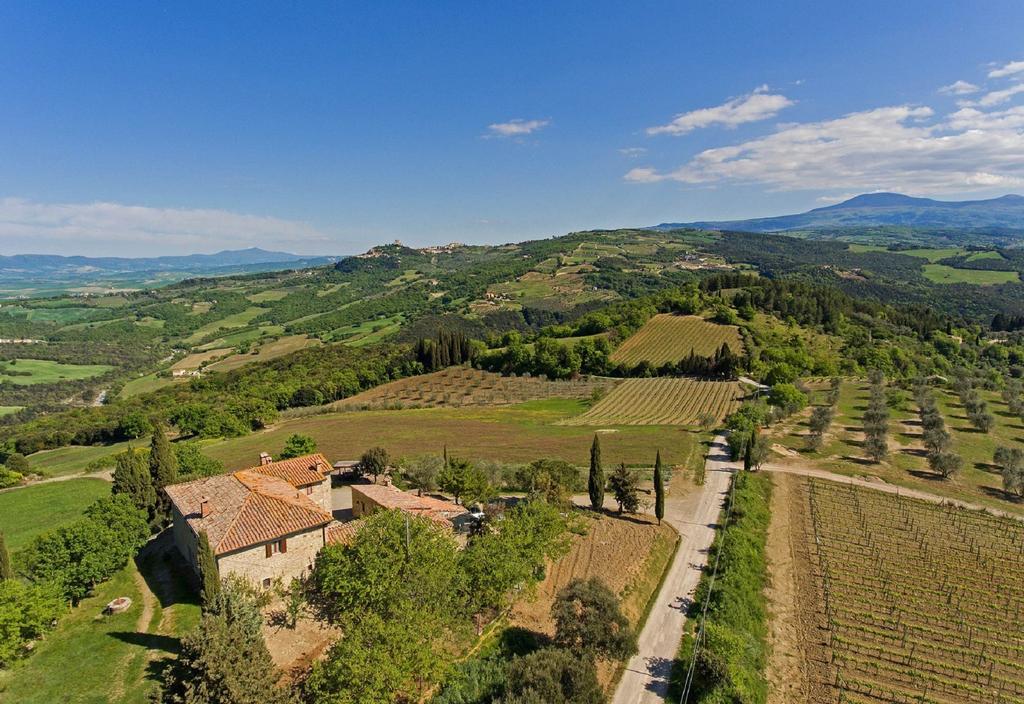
(519, 433)
(32, 510)
(42, 371)
(93, 659)
(8, 410)
(74, 458)
(942, 274)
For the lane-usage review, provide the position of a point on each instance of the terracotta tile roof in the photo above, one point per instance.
(343, 533)
(245, 509)
(388, 496)
(298, 471)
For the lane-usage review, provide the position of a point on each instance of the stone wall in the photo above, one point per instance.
(321, 495)
(185, 539)
(253, 563)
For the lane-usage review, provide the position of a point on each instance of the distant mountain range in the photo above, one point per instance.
(1003, 215)
(54, 273)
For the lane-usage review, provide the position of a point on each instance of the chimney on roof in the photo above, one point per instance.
(265, 458)
(204, 507)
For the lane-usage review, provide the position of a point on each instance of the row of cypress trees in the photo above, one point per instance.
(623, 484)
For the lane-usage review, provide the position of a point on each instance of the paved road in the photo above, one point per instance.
(647, 675)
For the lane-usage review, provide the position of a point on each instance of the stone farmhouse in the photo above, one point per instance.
(268, 522)
(264, 523)
(368, 499)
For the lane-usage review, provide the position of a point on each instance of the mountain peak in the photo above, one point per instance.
(882, 200)
(888, 209)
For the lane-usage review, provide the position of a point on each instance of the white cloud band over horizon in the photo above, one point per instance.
(115, 229)
(905, 148)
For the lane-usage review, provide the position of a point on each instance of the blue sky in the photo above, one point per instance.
(142, 129)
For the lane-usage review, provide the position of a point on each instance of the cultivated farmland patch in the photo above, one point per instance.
(463, 386)
(670, 338)
(663, 401)
(907, 601)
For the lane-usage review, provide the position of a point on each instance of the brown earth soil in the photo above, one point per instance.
(786, 666)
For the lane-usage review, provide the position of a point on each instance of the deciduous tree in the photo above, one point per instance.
(589, 622)
(375, 462)
(298, 445)
(624, 486)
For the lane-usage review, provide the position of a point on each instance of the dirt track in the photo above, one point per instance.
(646, 677)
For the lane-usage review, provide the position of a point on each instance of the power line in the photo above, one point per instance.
(698, 640)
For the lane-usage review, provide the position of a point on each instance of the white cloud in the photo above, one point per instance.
(633, 152)
(753, 107)
(959, 88)
(516, 128)
(132, 230)
(899, 148)
(996, 97)
(1010, 69)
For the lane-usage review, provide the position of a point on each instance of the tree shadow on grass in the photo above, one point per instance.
(928, 476)
(996, 493)
(149, 641)
(864, 461)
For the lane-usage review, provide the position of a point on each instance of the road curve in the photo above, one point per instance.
(646, 678)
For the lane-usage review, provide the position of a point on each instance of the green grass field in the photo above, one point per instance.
(95, 659)
(942, 274)
(929, 253)
(266, 351)
(75, 458)
(237, 320)
(29, 511)
(8, 410)
(41, 371)
(144, 384)
(981, 256)
(519, 433)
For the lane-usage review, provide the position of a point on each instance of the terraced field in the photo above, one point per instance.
(669, 338)
(662, 401)
(907, 601)
(461, 386)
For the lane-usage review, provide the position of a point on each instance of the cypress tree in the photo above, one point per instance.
(659, 490)
(748, 453)
(6, 571)
(595, 482)
(163, 468)
(208, 573)
(131, 477)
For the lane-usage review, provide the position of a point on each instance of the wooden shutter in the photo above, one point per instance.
(284, 544)
(270, 550)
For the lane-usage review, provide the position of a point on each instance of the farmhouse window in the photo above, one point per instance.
(309, 490)
(277, 546)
